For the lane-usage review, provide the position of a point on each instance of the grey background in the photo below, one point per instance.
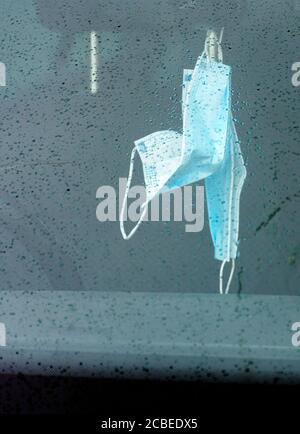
(59, 143)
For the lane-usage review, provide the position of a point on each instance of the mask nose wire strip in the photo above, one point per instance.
(145, 208)
(229, 279)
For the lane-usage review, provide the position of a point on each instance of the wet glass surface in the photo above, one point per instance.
(83, 80)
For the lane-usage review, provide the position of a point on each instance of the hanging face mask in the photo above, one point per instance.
(223, 189)
(207, 148)
(171, 160)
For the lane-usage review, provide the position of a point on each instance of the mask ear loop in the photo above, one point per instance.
(221, 35)
(219, 47)
(132, 232)
(229, 279)
(220, 52)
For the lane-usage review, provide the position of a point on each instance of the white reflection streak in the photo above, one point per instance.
(2, 335)
(2, 74)
(94, 62)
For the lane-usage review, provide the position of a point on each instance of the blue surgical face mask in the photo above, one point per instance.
(207, 148)
(223, 189)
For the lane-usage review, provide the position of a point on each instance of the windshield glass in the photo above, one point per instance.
(80, 83)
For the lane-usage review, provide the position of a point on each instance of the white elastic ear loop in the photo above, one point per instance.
(221, 35)
(205, 52)
(230, 277)
(220, 52)
(132, 232)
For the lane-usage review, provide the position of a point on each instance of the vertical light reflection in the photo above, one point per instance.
(2, 335)
(94, 62)
(2, 74)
